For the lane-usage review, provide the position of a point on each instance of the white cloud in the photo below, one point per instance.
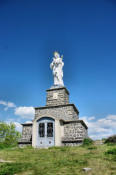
(111, 117)
(102, 127)
(7, 104)
(3, 103)
(91, 118)
(25, 112)
(11, 105)
(18, 126)
(22, 111)
(28, 121)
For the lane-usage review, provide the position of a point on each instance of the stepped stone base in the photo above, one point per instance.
(68, 129)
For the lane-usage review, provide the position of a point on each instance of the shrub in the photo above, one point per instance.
(111, 151)
(87, 141)
(111, 139)
(103, 139)
(8, 135)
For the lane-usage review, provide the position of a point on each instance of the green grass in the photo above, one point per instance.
(59, 160)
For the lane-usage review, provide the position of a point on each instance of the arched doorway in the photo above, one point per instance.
(46, 133)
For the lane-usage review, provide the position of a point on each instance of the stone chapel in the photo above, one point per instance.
(57, 123)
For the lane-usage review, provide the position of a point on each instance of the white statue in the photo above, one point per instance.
(57, 67)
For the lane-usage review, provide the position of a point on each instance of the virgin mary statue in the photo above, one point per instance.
(57, 68)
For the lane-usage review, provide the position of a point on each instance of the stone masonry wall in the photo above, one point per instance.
(57, 97)
(63, 112)
(27, 133)
(74, 133)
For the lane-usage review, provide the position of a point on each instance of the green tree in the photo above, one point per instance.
(8, 135)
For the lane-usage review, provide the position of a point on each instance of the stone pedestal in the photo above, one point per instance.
(57, 96)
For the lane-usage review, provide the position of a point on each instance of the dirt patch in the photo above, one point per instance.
(5, 161)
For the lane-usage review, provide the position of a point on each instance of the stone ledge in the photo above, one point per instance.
(24, 142)
(72, 141)
(58, 89)
(26, 124)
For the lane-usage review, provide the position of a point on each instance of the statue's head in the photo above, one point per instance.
(56, 54)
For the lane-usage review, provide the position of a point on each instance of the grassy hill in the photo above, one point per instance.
(59, 160)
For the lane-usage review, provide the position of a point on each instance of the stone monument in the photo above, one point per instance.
(57, 123)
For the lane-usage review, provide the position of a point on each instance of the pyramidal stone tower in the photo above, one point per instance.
(57, 123)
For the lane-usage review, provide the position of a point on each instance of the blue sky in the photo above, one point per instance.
(84, 31)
